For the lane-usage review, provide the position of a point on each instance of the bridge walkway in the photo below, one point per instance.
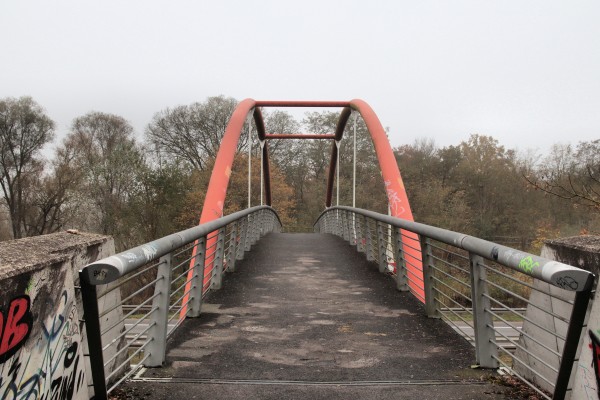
(306, 316)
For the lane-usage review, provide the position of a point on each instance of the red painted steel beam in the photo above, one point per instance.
(300, 103)
(260, 130)
(217, 187)
(394, 186)
(299, 136)
(339, 132)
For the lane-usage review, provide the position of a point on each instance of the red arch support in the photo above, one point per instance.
(396, 193)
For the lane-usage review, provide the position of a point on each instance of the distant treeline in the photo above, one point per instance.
(101, 179)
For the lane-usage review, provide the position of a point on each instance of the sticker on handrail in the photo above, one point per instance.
(100, 274)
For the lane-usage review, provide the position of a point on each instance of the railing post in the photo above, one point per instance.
(578, 313)
(401, 275)
(360, 233)
(217, 271)
(382, 246)
(232, 252)
(157, 334)
(345, 226)
(336, 221)
(260, 224)
(328, 222)
(248, 233)
(483, 324)
(352, 222)
(368, 241)
(198, 279)
(241, 247)
(255, 228)
(428, 281)
(91, 315)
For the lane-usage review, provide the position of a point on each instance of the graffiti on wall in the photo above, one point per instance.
(40, 345)
(15, 326)
(595, 346)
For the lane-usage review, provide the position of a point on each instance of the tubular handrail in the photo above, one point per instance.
(171, 276)
(446, 278)
(112, 268)
(553, 272)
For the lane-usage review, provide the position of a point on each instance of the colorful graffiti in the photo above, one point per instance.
(40, 341)
(595, 345)
(15, 326)
(527, 264)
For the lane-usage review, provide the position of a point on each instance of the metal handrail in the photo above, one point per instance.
(553, 272)
(207, 250)
(112, 268)
(414, 260)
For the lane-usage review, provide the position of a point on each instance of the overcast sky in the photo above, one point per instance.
(525, 72)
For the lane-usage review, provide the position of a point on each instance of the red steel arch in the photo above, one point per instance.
(394, 186)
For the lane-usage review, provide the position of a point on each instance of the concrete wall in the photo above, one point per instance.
(582, 252)
(41, 342)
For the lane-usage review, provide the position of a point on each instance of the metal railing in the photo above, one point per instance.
(134, 301)
(482, 289)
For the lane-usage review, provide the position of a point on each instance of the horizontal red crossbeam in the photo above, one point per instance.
(298, 136)
(301, 103)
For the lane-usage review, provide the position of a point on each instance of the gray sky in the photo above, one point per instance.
(526, 72)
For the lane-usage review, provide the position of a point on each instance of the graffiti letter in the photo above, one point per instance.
(596, 356)
(16, 329)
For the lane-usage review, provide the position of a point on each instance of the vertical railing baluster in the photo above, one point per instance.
(241, 247)
(197, 279)
(428, 282)
(89, 297)
(217, 271)
(157, 334)
(369, 240)
(360, 233)
(572, 341)
(248, 233)
(232, 252)
(345, 226)
(382, 246)
(483, 323)
(401, 274)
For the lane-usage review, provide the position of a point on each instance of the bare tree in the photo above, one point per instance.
(24, 130)
(103, 150)
(192, 133)
(571, 174)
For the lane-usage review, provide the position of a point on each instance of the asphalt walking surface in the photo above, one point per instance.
(306, 316)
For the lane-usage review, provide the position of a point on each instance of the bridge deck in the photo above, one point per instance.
(306, 316)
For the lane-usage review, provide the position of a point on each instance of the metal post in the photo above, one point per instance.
(241, 248)
(577, 320)
(262, 178)
(248, 233)
(354, 241)
(158, 332)
(337, 167)
(428, 282)
(217, 271)
(354, 164)
(360, 246)
(382, 246)
(255, 231)
(368, 241)
(401, 275)
(91, 315)
(249, 164)
(198, 279)
(483, 323)
(261, 224)
(232, 252)
(345, 226)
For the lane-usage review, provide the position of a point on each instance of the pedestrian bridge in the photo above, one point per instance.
(368, 305)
